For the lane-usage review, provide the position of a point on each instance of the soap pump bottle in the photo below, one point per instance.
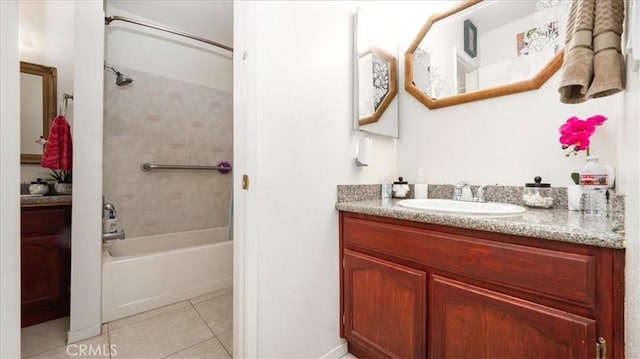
(421, 189)
(386, 188)
(110, 224)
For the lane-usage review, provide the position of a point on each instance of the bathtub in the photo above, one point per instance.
(143, 273)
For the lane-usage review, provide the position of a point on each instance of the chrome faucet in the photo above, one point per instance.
(109, 212)
(463, 192)
(109, 208)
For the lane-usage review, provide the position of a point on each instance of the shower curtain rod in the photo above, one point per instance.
(109, 19)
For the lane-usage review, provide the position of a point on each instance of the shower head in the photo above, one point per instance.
(121, 79)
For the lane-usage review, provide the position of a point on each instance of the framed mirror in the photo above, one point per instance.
(376, 104)
(484, 49)
(38, 98)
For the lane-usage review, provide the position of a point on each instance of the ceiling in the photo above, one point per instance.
(211, 19)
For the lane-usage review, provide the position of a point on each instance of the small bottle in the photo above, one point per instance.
(421, 189)
(110, 224)
(594, 184)
(386, 188)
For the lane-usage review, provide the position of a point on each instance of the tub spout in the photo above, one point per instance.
(111, 236)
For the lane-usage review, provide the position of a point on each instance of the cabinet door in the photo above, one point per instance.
(45, 265)
(384, 306)
(471, 322)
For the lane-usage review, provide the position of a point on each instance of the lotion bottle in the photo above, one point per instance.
(386, 188)
(110, 224)
(421, 189)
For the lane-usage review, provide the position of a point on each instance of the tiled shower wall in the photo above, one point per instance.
(165, 121)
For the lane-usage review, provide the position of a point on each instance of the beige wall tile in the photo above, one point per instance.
(162, 120)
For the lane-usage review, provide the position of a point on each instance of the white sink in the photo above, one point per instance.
(462, 207)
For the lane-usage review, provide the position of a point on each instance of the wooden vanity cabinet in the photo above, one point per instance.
(415, 290)
(45, 262)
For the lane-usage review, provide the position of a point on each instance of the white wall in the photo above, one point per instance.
(629, 174)
(9, 188)
(50, 26)
(161, 53)
(294, 106)
(86, 230)
(506, 140)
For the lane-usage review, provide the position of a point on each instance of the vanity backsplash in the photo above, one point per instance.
(503, 194)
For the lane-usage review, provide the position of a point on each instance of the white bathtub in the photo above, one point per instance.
(143, 273)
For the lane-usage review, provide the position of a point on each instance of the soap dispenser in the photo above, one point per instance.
(386, 188)
(421, 189)
(110, 222)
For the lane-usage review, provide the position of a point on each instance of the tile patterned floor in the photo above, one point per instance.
(197, 328)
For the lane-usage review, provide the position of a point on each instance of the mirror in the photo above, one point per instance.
(375, 77)
(37, 108)
(484, 49)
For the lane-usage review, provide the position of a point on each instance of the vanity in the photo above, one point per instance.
(416, 284)
(45, 258)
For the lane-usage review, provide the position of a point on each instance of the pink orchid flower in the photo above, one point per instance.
(576, 132)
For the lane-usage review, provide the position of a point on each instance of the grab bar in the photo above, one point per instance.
(222, 167)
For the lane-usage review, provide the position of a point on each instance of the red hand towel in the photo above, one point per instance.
(58, 150)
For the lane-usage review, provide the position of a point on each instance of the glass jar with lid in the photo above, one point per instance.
(537, 194)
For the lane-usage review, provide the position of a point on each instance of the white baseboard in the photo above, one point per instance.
(337, 352)
(85, 333)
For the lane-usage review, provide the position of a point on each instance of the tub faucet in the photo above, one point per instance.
(107, 237)
(463, 192)
(109, 208)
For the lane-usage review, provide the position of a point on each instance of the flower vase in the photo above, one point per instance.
(574, 192)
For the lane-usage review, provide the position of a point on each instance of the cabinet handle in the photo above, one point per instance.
(601, 348)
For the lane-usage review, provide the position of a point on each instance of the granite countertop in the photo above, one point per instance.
(557, 224)
(30, 200)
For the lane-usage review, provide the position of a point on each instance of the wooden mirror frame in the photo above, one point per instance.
(432, 103)
(393, 85)
(49, 99)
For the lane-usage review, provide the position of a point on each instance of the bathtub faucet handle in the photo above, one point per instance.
(109, 207)
(109, 211)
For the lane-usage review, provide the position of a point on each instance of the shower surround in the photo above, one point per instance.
(166, 121)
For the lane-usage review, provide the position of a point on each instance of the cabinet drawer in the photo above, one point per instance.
(37, 220)
(535, 270)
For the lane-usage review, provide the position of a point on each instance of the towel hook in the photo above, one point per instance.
(63, 104)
